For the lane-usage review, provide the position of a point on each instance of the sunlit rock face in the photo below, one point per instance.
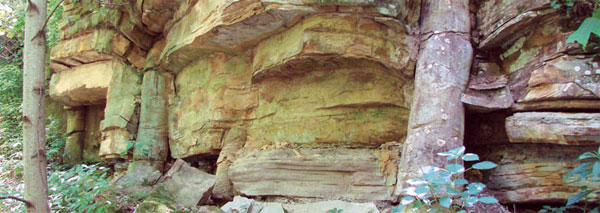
(310, 75)
(310, 99)
(325, 81)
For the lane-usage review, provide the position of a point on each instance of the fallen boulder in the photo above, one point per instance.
(183, 186)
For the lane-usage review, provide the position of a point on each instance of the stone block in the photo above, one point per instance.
(83, 85)
(496, 27)
(97, 45)
(326, 206)
(554, 127)
(564, 78)
(121, 114)
(232, 26)
(529, 173)
(336, 173)
(152, 138)
(342, 37)
(187, 185)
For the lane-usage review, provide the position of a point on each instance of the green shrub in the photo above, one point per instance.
(445, 187)
(75, 189)
(587, 171)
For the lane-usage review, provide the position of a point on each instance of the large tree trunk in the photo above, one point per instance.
(34, 134)
(436, 121)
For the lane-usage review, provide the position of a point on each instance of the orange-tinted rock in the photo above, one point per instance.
(532, 172)
(555, 128)
(348, 174)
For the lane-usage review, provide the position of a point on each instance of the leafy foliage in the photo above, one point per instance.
(589, 26)
(75, 189)
(445, 186)
(588, 170)
(590, 9)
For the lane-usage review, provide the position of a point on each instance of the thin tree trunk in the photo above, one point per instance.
(436, 121)
(34, 144)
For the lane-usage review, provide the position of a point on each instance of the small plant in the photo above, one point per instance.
(445, 186)
(75, 190)
(581, 8)
(334, 210)
(586, 171)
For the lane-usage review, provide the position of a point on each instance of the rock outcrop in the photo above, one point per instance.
(311, 100)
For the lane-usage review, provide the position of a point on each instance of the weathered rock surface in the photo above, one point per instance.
(152, 134)
(336, 173)
(352, 106)
(187, 185)
(93, 138)
(73, 151)
(556, 128)
(307, 99)
(496, 27)
(231, 26)
(183, 187)
(121, 113)
(532, 172)
(100, 44)
(487, 100)
(242, 205)
(564, 78)
(325, 206)
(212, 94)
(381, 40)
(245, 205)
(233, 141)
(84, 85)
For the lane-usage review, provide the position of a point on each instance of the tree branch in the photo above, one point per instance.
(50, 16)
(28, 203)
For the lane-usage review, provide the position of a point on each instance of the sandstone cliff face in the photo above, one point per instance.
(305, 99)
(553, 85)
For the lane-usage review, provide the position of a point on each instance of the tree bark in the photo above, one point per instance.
(34, 134)
(436, 122)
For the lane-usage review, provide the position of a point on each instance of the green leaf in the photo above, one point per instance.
(422, 189)
(407, 200)
(484, 165)
(453, 153)
(582, 34)
(586, 156)
(578, 170)
(455, 168)
(452, 191)
(488, 200)
(596, 170)
(398, 209)
(471, 200)
(446, 202)
(578, 197)
(417, 205)
(416, 182)
(461, 181)
(470, 157)
(474, 188)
